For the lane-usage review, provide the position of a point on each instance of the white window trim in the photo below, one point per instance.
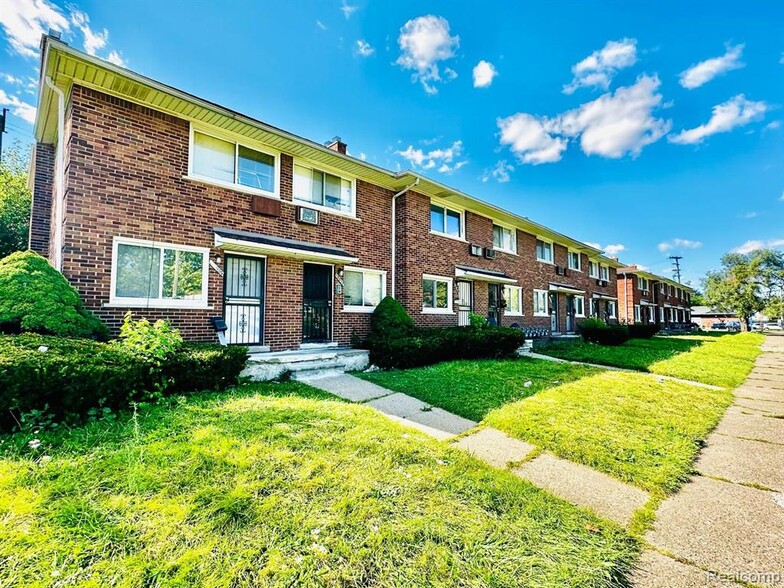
(159, 302)
(519, 291)
(614, 306)
(637, 313)
(607, 269)
(512, 251)
(461, 212)
(579, 267)
(576, 313)
(448, 309)
(332, 171)
(237, 143)
(551, 261)
(546, 293)
(596, 263)
(363, 270)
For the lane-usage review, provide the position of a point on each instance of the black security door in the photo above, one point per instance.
(243, 299)
(494, 304)
(317, 303)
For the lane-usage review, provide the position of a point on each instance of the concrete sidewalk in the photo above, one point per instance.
(726, 526)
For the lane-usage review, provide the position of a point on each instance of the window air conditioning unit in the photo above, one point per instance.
(601, 282)
(475, 250)
(559, 270)
(490, 253)
(307, 215)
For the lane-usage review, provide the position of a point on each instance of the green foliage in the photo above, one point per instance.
(642, 331)
(66, 378)
(389, 321)
(155, 342)
(15, 200)
(595, 330)
(477, 321)
(35, 297)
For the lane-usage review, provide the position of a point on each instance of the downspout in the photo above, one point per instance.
(394, 231)
(60, 176)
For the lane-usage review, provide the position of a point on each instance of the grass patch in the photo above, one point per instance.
(630, 426)
(472, 388)
(281, 485)
(721, 360)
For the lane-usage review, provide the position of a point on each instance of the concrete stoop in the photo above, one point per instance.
(305, 364)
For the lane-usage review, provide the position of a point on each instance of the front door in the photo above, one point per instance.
(494, 304)
(243, 299)
(569, 313)
(464, 295)
(317, 303)
(554, 313)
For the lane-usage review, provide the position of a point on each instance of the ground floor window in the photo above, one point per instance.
(637, 314)
(436, 294)
(594, 307)
(579, 306)
(363, 289)
(611, 310)
(158, 274)
(514, 300)
(651, 314)
(540, 303)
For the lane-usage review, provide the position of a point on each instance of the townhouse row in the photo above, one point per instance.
(152, 200)
(647, 298)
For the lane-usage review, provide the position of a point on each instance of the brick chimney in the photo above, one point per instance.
(336, 144)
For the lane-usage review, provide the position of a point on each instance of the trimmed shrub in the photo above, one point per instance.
(35, 297)
(75, 375)
(389, 321)
(596, 330)
(641, 331)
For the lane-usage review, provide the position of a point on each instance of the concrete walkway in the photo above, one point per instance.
(726, 526)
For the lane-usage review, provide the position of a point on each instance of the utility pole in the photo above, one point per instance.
(2, 130)
(676, 261)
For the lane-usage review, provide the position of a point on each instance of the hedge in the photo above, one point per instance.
(641, 331)
(75, 375)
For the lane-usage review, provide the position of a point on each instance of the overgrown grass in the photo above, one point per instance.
(723, 360)
(473, 388)
(631, 426)
(278, 485)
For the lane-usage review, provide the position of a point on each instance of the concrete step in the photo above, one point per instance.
(305, 364)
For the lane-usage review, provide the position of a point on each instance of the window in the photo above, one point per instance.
(540, 303)
(574, 260)
(643, 284)
(637, 315)
(362, 289)
(504, 239)
(661, 315)
(154, 274)
(594, 307)
(323, 189)
(593, 269)
(669, 289)
(436, 294)
(579, 306)
(227, 162)
(651, 314)
(544, 251)
(446, 221)
(611, 309)
(514, 300)
(604, 272)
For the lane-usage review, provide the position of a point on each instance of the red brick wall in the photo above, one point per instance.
(125, 168)
(41, 208)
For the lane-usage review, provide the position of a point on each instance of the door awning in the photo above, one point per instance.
(256, 243)
(600, 296)
(483, 275)
(565, 288)
(646, 303)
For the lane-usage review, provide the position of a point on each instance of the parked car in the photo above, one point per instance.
(719, 326)
(733, 326)
(773, 326)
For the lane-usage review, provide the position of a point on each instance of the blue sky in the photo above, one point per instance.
(654, 128)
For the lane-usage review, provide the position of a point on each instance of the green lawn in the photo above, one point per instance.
(723, 360)
(630, 426)
(281, 485)
(473, 388)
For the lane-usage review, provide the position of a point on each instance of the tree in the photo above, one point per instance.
(15, 200)
(746, 283)
(698, 298)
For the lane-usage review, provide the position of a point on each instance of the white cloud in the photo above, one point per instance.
(666, 246)
(500, 172)
(529, 139)
(363, 49)
(24, 21)
(484, 72)
(321, 25)
(751, 214)
(756, 244)
(736, 112)
(363, 156)
(773, 125)
(115, 58)
(594, 245)
(599, 68)
(12, 79)
(18, 108)
(705, 71)
(445, 160)
(614, 249)
(93, 41)
(425, 41)
(348, 9)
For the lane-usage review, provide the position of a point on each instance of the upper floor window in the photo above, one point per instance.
(643, 284)
(544, 251)
(446, 221)
(504, 238)
(323, 189)
(363, 290)
(604, 272)
(514, 300)
(574, 260)
(593, 269)
(230, 163)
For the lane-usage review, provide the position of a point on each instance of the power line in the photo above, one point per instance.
(676, 261)
(2, 130)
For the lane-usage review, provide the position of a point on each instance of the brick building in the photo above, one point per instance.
(646, 298)
(153, 200)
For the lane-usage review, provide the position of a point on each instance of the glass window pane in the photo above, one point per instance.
(453, 223)
(332, 191)
(442, 295)
(346, 195)
(256, 169)
(372, 290)
(182, 273)
(427, 293)
(509, 240)
(352, 295)
(138, 272)
(303, 184)
(213, 158)
(498, 237)
(436, 218)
